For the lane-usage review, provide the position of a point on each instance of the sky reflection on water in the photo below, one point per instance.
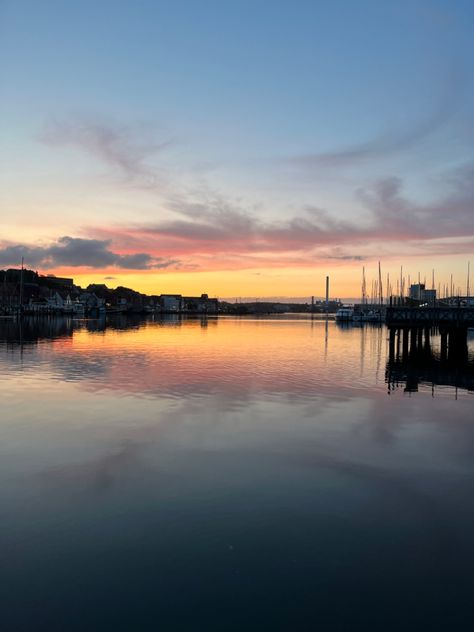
(231, 474)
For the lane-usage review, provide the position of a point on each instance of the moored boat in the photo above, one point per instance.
(345, 313)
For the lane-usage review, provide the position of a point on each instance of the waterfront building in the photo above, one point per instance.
(176, 303)
(418, 292)
(199, 304)
(171, 302)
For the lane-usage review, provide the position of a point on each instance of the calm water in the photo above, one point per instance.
(252, 474)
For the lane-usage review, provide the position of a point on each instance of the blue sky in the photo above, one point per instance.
(273, 107)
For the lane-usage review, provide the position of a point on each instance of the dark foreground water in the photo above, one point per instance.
(232, 475)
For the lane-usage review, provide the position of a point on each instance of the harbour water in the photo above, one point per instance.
(232, 474)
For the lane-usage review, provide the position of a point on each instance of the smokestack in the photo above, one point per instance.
(327, 293)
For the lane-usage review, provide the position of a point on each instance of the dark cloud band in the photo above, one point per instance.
(80, 252)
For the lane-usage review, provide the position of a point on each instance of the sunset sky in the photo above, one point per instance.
(240, 148)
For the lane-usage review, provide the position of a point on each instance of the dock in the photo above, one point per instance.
(429, 316)
(410, 330)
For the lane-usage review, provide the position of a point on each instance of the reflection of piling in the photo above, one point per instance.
(412, 335)
(427, 345)
(417, 340)
(457, 344)
(391, 344)
(327, 295)
(405, 334)
(444, 345)
(412, 358)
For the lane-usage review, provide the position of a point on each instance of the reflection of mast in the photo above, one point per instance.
(326, 336)
(20, 331)
(327, 296)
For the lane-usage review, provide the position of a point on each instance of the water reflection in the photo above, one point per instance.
(231, 474)
(173, 355)
(31, 331)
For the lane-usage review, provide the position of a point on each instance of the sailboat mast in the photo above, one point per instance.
(380, 286)
(468, 288)
(21, 284)
(364, 287)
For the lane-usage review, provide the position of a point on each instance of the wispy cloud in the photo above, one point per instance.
(121, 148)
(227, 233)
(380, 146)
(400, 218)
(391, 141)
(206, 230)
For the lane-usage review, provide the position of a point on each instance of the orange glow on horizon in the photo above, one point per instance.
(303, 282)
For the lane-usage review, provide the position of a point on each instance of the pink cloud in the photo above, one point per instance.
(218, 235)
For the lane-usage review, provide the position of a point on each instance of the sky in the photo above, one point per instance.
(243, 149)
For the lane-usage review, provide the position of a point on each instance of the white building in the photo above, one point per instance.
(418, 292)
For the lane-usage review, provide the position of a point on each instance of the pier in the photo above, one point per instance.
(429, 355)
(411, 356)
(429, 316)
(410, 329)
